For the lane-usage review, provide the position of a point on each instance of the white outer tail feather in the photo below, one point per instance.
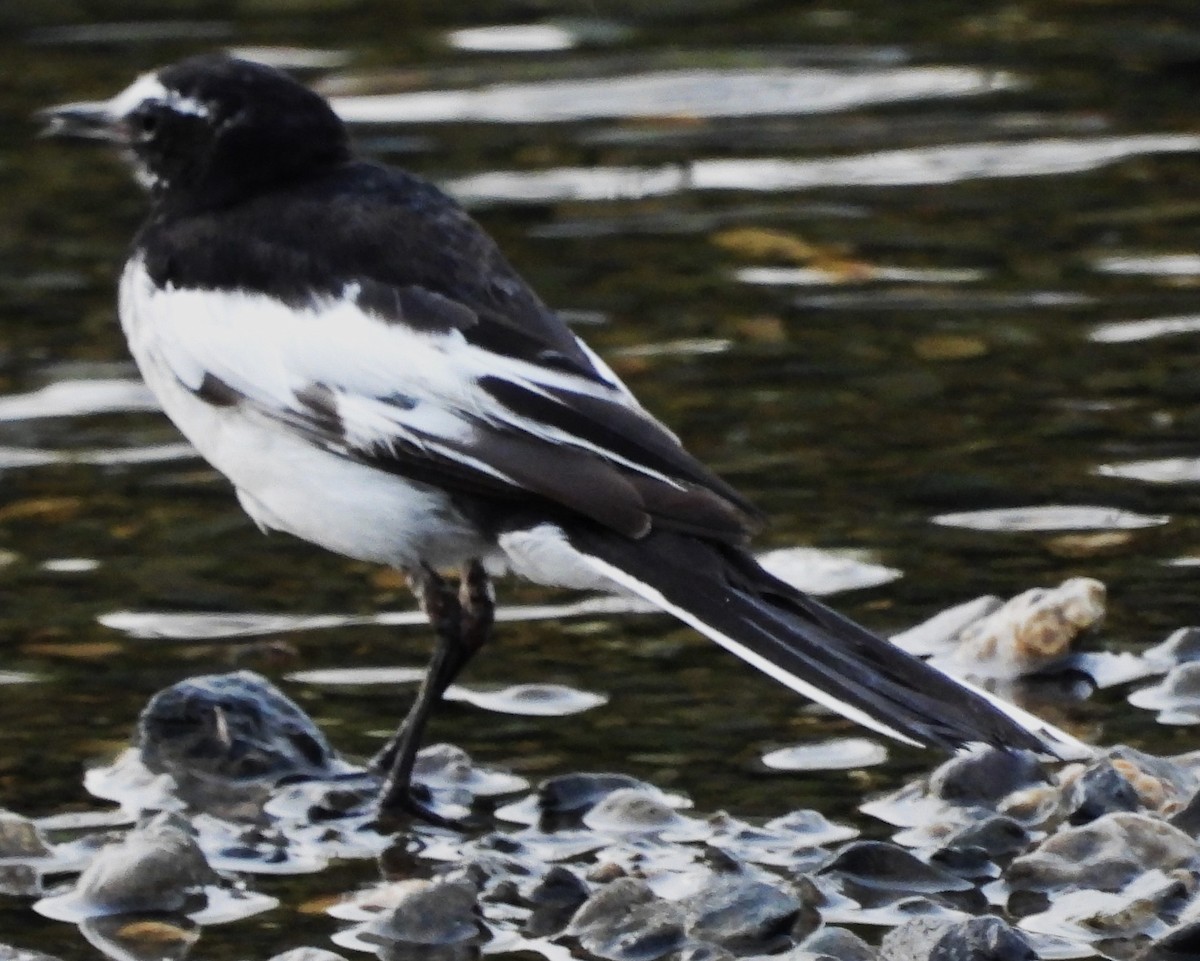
(1065, 746)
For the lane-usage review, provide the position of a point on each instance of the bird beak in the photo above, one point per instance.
(84, 121)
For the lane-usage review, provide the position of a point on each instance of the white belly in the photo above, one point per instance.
(287, 484)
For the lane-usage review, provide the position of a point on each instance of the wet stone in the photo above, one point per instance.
(1105, 854)
(576, 793)
(1187, 818)
(430, 913)
(705, 952)
(1101, 789)
(20, 838)
(554, 899)
(626, 921)
(996, 837)
(20, 880)
(984, 777)
(217, 732)
(878, 865)
(445, 767)
(1031, 631)
(1162, 784)
(1180, 646)
(155, 868)
(978, 939)
(1135, 911)
(1176, 697)
(839, 944)
(743, 914)
(632, 810)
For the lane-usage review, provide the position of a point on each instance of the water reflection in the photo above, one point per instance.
(514, 38)
(676, 93)
(75, 398)
(1127, 331)
(1051, 517)
(890, 168)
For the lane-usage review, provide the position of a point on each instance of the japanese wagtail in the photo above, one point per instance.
(355, 354)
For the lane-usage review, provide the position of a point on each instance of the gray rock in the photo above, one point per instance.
(1106, 854)
(996, 837)
(20, 837)
(1101, 789)
(626, 921)
(554, 899)
(880, 865)
(575, 793)
(984, 777)
(978, 939)
(155, 868)
(743, 914)
(232, 728)
(431, 913)
(839, 944)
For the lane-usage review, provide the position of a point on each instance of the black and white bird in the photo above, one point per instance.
(352, 351)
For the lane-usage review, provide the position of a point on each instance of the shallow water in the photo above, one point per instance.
(881, 266)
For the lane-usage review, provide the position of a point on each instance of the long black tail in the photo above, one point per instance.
(723, 592)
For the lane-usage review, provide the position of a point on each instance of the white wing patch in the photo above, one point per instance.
(389, 384)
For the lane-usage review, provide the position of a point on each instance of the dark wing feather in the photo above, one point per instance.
(536, 416)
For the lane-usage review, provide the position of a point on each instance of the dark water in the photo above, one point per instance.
(953, 200)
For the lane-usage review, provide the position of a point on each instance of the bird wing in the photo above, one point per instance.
(407, 379)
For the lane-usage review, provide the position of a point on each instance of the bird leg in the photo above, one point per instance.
(462, 622)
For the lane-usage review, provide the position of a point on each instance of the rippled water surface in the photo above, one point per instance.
(924, 285)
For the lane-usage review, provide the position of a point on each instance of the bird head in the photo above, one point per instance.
(210, 128)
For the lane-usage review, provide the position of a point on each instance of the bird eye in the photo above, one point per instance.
(146, 122)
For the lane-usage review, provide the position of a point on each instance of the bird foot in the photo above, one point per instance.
(399, 806)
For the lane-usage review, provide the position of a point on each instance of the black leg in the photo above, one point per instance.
(462, 624)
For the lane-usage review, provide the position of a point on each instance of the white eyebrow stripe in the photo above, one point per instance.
(148, 87)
